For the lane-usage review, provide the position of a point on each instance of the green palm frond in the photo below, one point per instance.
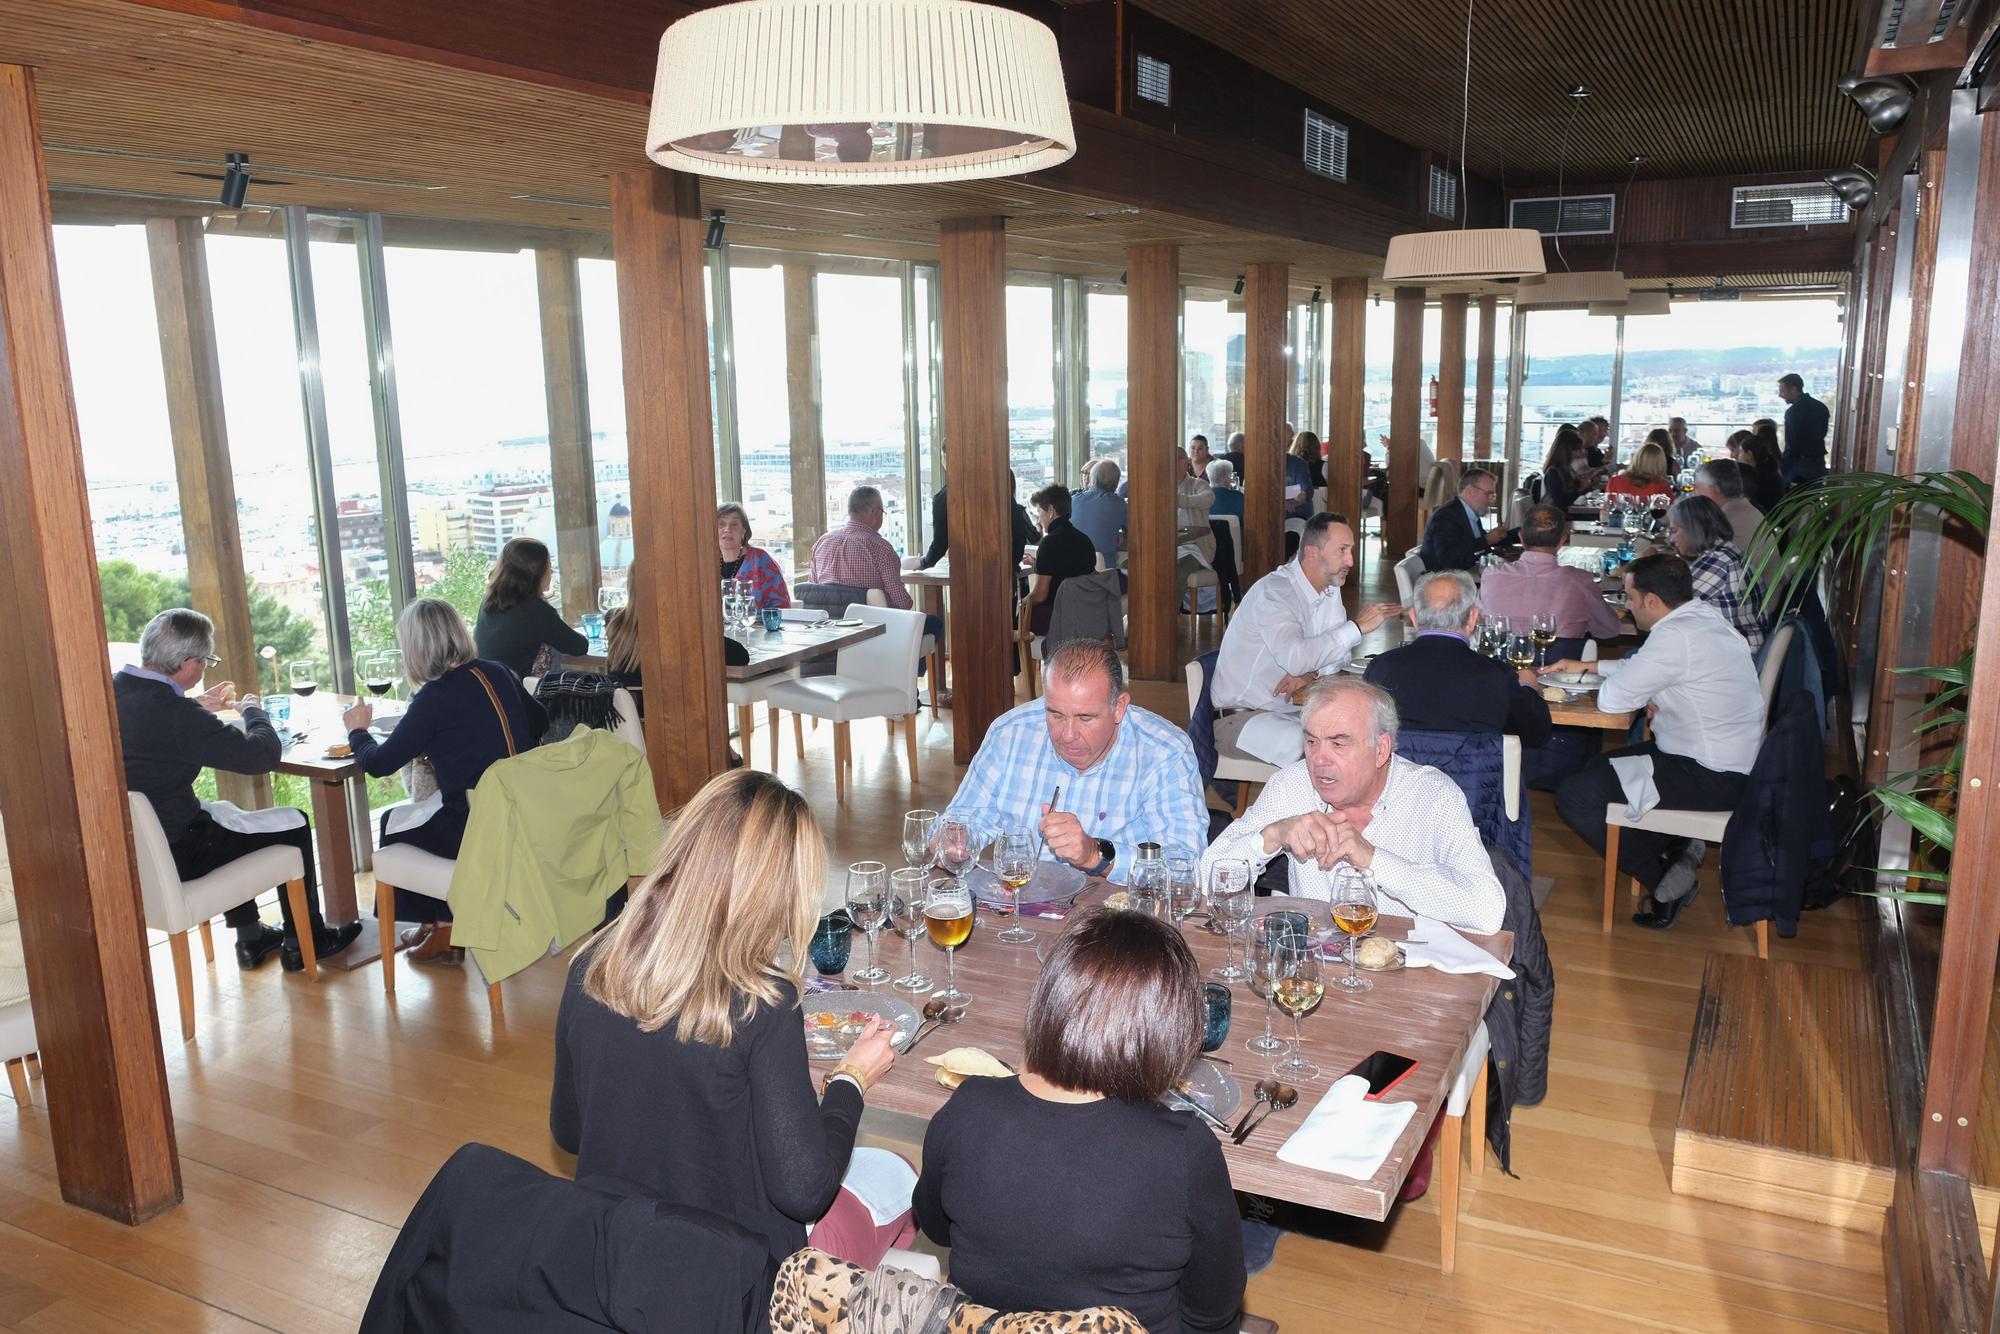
(1846, 516)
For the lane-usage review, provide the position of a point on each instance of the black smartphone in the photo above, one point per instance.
(1383, 1070)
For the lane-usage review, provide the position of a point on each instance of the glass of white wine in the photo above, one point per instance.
(868, 908)
(909, 892)
(1298, 989)
(1354, 908)
(948, 918)
(1543, 632)
(1014, 866)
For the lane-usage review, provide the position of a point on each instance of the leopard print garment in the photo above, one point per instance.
(810, 1297)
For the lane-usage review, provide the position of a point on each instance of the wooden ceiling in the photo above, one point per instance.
(1698, 87)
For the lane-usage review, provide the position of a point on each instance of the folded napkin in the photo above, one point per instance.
(802, 615)
(881, 1180)
(1433, 944)
(1273, 736)
(1345, 1134)
(1635, 775)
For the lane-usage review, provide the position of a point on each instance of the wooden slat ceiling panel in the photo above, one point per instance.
(1699, 87)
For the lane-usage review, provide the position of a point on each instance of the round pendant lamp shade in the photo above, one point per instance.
(856, 92)
(1469, 254)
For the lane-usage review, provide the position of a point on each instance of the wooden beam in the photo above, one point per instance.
(1451, 377)
(572, 470)
(1482, 382)
(656, 233)
(1266, 308)
(802, 396)
(972, 296)
(1406, 367)
(1152, 355)
(69, 829)
(1346, 436)
(217, 585)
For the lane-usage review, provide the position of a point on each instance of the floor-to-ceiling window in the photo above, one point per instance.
(1031, 385)
(1105, 391)
(763, 407)
(861, 394)
(1212, 368)
(1570, 355)
(1377, 362)
(604, 362)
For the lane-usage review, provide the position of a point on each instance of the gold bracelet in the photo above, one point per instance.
(860, 1080)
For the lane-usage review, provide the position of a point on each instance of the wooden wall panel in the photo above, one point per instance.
(1346, 436)
(1406, 367)
(1482, 395)
(1266, 308)
(69, 829)
(1152, 342)
(572, 471)
(972, 297)
(1451, 377)
(802, 400)
(656, 233)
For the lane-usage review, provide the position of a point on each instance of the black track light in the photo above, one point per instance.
(1315, 294)
(713, 241)
(235, 179)
(1239, 284)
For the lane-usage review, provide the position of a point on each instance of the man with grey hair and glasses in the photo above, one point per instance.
(169, 737)
(1442, 684)
(1352, 799)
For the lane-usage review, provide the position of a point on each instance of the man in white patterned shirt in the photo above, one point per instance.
(1353, 799)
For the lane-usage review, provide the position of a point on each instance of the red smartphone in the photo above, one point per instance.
(1383, 1070)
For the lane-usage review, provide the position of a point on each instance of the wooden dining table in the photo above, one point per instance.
(792, 643)
(1582, 711)
(1415, 1012)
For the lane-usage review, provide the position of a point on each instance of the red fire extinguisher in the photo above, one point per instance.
(1434, 396)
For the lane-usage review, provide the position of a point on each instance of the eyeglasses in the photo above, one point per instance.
(210, 660)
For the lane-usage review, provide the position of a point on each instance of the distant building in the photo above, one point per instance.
(502, 512)
(359, 526)
(441, 529)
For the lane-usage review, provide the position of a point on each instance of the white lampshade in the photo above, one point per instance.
(1635, 303)
(1579, 288)
(1468, 254)
(859, 92)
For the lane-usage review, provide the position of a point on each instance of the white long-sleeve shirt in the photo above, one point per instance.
(1283, 627)
(1428, 860)
(1698, 670)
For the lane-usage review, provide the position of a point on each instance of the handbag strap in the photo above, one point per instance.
(505, 730)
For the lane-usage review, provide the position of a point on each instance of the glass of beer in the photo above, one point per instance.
(1298, 989)
(1014, 867)
(1354, 905)
(948, 918)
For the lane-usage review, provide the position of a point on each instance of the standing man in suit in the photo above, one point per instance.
(1441, 684)
(1805, 432)
(1456, 535)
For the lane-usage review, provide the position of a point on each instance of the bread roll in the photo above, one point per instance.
(1376, 953)
(963, 1063)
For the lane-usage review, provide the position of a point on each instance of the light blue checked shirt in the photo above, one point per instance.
(1147, 788)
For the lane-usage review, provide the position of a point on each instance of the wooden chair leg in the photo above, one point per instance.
(910, 747)
(177, 946)
(746, 723)
(385, 923)
(1448, 1150)
(295, 894)
(1763, 940)
(840, 762)
(1475, 1126)
(937, 679)
(798, 738)
(207, 944)
(771, 725)
(1610, 873)
(493, 1005)
(1242, 796)
(17, 1080)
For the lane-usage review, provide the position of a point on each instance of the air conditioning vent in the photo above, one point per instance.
(1799, 205)
(1444, 193)
(1582, 215)
(1156, 80)
(1326, 146)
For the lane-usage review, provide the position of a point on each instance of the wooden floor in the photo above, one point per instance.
(310, 1118)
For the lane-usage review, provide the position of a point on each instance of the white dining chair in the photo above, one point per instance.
(632, 729)
(1708, 826)
(876, 678)
(1230, 764)
(1408, 570)
(405, 866)
(17, 1016)
(927, 649)
(177, 906)
(1464, 1125)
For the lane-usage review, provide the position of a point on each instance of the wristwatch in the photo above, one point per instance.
(1107, 854)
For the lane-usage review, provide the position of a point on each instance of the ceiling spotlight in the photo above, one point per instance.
(1315, 294)
(1239, 284)
(235, 179)
(1121, 277)
(1884, 99)
(1577, 91)
(1854, 185)
(713, 240)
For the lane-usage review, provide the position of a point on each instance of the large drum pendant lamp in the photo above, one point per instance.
(882, 92)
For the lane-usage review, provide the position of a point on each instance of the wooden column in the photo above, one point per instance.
(1399, 525)
(1266, 307)
(1346, 433)
(1451, 378)
(802, 395)
(972, 292)
(1482, 381)
(656, 234)
(572, 471)
(69, 830)
(1152, 354)
(217, 585)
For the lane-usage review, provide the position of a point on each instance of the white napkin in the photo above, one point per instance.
(1635, 775)
(882, 1181)
(1433, 944)
(1346, 1134)
(802, 615)
(1273, 736)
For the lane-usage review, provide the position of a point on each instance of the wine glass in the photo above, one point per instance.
(909, 893)
(1354, 907)
(1543, 631)
(392, 668)
(1229, 901)
(1014, 865)
(919, 828)
(1263, 960)
(304, 676)
(1298, 989)
(955, 847)
(868, 908)
(1520, 651)
(1182, 899)
(374, 668)
(948, 917)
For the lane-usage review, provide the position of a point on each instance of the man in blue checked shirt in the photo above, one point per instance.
(1094, 775)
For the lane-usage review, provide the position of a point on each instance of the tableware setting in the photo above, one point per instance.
(835, 1019)
(1054, 885)
(1207, 1088)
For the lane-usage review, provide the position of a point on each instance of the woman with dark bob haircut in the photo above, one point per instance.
(1072, 1185)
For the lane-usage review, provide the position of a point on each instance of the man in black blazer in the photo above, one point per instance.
(1441, 684)
(1456, 535)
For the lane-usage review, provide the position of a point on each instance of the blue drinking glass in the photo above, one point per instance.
(772, 619)
(1214, 1015)
(830, 943)
(1288, 925)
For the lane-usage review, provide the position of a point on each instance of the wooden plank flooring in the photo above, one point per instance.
(310, 1118)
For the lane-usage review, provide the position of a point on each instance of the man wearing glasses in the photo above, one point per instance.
(1456, 535)
(170, 736)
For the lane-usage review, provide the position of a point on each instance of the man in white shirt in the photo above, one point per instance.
(1289, 629)
(1352, 799)
(1695, 678)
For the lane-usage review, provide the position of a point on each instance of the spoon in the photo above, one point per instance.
(1283, 1098)
(935, 1012)
(1265, 1088)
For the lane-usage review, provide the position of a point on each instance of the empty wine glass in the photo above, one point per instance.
(1014, 866)
(909, 893)
(1264, 964)
(1229, 901)
(919, 828)
(1183, 896)
(868, 909)
(955, 847)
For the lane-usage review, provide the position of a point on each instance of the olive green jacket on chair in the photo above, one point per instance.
(553, 833)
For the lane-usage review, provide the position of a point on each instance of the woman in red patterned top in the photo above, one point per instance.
(741, 561)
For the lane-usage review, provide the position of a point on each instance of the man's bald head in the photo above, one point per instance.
(1444, 601)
